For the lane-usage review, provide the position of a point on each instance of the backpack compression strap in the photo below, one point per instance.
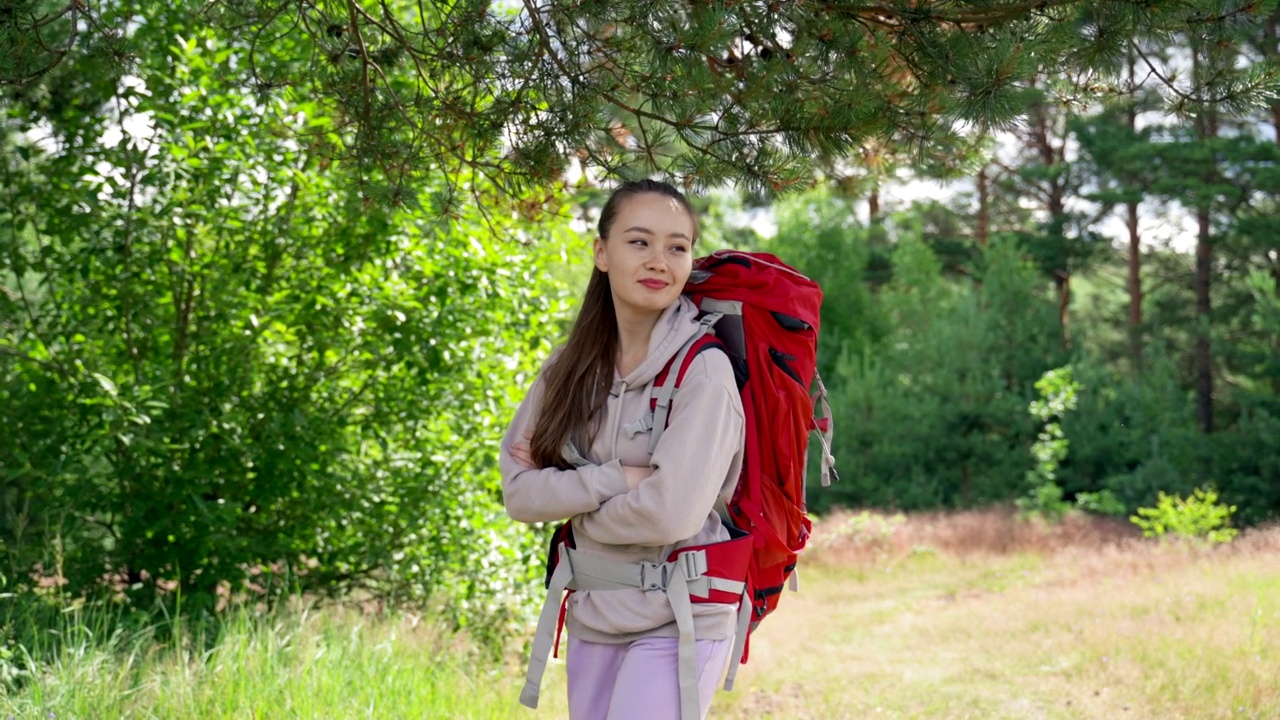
(823, 427)
(544, 636)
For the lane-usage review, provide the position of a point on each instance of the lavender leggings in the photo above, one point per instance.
(637, 680)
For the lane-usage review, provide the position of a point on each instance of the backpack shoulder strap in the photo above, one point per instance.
(666, 383)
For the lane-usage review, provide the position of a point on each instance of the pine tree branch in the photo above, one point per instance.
(72, 7)
(896, 18)
(737, 90)
(682, 126)
(353, 13)
(59, 54)
(1004, 13)
(1248, 8)
(1191, 97)
(547, 47)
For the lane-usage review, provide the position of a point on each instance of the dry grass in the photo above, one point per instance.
(872, 538)
(980, 615)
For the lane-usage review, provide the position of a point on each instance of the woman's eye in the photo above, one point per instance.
(640, 242)
(680, 249)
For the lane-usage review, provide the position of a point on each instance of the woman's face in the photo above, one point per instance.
(648, 254)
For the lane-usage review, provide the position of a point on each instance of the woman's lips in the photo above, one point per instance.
(654, 284)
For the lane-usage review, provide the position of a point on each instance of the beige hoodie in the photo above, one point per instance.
(696, 462)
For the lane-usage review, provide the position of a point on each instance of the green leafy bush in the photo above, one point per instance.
(1199, 517)
(1103, 502)
(1044, 501)
(863, 528)
(1058, 393)
(226, 370)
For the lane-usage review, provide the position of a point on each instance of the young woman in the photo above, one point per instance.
(578, 450)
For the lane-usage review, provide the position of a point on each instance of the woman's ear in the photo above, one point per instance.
(602, 263)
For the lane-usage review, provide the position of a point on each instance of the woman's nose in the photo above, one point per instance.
(655, 259)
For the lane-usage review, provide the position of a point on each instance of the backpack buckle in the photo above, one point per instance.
(694, 563)
(653, 576)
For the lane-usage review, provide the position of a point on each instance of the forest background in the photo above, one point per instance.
(273, 275)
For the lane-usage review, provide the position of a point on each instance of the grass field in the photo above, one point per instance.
(966, 615)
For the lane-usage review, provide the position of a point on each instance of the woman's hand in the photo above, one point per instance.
(522, 453)
(636, 474)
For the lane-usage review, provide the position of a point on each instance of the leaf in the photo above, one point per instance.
(107, 384)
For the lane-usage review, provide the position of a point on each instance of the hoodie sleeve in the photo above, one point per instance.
(697, 453)
(550, 494)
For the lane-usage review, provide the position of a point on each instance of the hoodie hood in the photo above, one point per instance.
(677, 324)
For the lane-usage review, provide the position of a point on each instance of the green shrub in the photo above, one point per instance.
(227, 368)
(864, 528)
(1058, 393)
(1103, 502)
(1045, 501)
(1197, 517)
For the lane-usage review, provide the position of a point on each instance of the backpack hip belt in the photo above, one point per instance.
(715, 573)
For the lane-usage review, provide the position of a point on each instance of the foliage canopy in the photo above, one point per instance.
(752, 92)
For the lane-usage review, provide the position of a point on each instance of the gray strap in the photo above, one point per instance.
(596, 572)
(668, 389)
(739, 640)
(722, 509)
(709, 320)
(717, 584)
(794, 581)
(828, 461)
(663, 409)
(544, 636)
(694, 570)
(644, 424)
(575, 458)
(592, 571)
(723, 307)
(687, 663)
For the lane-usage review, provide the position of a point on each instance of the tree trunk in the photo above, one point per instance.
(1269, 48)
(1062, 279)
(873, 206)
(1054, 195)
(1061, 274)
(1275, 263)
(1204, 350)
(1135, 286)
(1206, 126)
(984, 207)
(1275, 275)
(1135, 242)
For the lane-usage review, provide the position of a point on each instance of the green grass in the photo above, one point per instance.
(1119, 630)
(306, 665)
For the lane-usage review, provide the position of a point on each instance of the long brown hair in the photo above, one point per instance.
(577, 384)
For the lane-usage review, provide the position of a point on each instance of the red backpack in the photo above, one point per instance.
(770, 332)
(764, 315)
